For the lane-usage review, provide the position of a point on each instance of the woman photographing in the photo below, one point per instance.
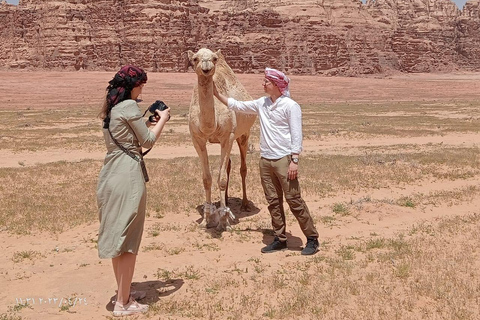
(121, 190)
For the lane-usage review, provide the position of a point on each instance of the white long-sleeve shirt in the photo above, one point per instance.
(280, 124)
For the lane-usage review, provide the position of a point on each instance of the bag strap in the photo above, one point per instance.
(131, 154)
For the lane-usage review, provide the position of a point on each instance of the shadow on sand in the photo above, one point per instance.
(235, 205)
(293, 243)
(154, 290)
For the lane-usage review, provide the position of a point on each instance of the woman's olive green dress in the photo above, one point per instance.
(121, 192)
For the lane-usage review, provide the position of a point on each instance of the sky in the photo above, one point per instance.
(459, 3)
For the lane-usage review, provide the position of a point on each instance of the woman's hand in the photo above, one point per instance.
(164, 114)
(161, 117)
(151, 123)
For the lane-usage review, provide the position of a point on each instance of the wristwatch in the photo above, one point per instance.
(295, 160)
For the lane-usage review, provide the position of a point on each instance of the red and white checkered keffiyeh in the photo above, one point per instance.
(280, 80)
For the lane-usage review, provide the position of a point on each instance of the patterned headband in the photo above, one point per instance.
(123, 82)
(280, 80)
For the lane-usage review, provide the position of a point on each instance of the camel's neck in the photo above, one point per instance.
(205, 100)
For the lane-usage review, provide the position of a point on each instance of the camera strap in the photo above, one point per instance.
(133, 156)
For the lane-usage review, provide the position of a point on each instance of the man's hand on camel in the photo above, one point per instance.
(219, 96)
(215, 91)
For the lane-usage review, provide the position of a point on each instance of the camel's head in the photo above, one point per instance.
(204, 61)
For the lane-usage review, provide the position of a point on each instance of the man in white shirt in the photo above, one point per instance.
(280, 146)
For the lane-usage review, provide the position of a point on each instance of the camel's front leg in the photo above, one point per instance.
(209, 217)
(225, 213)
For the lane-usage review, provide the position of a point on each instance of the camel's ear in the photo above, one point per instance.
(189, 63)
(220, 55)
(190, 54)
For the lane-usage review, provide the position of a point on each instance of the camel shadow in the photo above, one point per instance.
(235, 205)
(153, 289)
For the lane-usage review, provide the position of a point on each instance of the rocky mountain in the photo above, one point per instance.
(345, 37)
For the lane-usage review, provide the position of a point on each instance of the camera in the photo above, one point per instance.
(157, 105)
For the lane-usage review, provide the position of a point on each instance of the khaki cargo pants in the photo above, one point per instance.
(273, 174)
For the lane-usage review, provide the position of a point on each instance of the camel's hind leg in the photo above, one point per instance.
(223, 176)
(229, 168)
(210, 219)
(242, 142)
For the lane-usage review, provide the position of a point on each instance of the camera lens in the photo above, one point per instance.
(157, 105)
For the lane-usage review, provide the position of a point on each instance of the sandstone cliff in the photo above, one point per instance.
(311, 36)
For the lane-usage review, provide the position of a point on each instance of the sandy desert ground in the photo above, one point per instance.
(396, 193)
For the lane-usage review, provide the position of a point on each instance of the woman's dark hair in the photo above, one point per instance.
(120, 89)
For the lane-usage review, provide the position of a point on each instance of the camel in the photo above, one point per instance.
(210, 120)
